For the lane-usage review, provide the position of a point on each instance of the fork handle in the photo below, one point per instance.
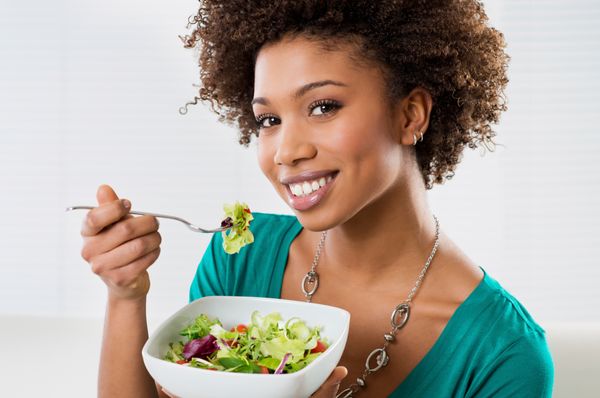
(144, 213)
(137, 213)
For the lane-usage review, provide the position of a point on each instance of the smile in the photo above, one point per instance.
(307, 187)
(303, 195)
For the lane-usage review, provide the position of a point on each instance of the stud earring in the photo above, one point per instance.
(415, 138)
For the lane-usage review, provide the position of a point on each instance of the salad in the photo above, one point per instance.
(237, 217)
(265, 345)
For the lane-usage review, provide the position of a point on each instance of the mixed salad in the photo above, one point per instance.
(265, 345)
(237, 218)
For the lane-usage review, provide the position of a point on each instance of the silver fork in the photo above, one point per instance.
(225, 224)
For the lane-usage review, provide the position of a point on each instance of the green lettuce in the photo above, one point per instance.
(267, 342)
(237, 215)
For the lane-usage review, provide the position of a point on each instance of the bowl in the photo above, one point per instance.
(188, 382)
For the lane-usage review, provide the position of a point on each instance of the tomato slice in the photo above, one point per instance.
(320, 347)
(182, 361)
(241, 328)
(264, 369)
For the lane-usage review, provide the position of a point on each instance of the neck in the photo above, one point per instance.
(395, 234)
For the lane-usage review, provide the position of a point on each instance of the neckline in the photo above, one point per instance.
(419, 372)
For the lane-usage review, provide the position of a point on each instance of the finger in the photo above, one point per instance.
(116, 234)
(125, 254)
(103, 215)
(127, 275)
(331, 386)
(106, 194)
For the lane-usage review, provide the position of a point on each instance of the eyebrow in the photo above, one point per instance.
(302, 90)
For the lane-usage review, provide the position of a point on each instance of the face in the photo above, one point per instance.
(328, 141)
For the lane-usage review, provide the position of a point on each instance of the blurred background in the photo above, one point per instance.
(89, 95)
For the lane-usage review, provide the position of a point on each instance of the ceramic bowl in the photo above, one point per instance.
(189, 382)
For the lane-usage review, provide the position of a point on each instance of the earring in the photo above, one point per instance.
(415, 138)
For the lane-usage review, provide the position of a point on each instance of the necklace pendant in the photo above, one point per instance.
(400, 315)
(381, 358)
(310, 283)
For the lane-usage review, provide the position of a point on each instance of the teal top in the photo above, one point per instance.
(490, 347)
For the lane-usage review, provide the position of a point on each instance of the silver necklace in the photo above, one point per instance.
(378, 358)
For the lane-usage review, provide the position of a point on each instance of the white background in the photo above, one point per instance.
(89, 94)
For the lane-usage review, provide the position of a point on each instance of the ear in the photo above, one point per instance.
(412, 115)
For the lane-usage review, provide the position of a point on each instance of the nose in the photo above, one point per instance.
(294, 145)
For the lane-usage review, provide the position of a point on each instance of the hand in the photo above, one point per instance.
(120, 247)
(331, 386)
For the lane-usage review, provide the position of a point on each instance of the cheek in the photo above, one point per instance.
(362, 142)
(264, 155)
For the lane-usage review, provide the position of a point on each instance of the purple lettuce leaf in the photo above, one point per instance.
(200, 348)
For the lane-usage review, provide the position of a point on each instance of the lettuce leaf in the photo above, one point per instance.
(175, 352)
(200, 327)
(237, 215)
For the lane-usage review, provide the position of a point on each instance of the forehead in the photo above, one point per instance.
(289, 63)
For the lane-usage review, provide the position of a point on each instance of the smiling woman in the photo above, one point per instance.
(444, 47)
(360, 107)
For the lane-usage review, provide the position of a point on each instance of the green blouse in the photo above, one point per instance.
(491, 346)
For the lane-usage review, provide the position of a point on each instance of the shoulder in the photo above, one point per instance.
(511, 348)
(250, 271)
(510, 312)
(268, 224)
(257, 268)
(267, 228)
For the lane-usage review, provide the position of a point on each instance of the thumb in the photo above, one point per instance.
(105, 194)
(332, 384)
(338, 374)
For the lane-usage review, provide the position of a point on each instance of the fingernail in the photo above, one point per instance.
(126, 203)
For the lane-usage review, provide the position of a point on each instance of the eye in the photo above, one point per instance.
(324, 107)
(271, 120)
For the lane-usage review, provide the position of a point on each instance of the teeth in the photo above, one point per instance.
(296, 189)
(308, 187)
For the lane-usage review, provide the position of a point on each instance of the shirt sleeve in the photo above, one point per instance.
(210, 275)
(523, 369)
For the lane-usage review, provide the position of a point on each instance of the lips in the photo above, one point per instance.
(307, 189)
(306, 176)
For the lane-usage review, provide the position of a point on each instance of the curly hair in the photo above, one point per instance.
(443, 46)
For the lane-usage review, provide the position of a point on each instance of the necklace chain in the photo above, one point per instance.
(378, 358)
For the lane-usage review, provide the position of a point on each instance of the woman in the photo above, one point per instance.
(358, 109)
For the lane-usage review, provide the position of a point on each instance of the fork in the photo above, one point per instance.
(225, 224)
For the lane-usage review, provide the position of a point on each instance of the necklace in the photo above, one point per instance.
(378, 358)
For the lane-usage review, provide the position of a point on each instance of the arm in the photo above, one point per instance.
(122, 372)
(119, 249)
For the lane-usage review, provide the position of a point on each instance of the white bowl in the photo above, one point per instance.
(188, 382)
